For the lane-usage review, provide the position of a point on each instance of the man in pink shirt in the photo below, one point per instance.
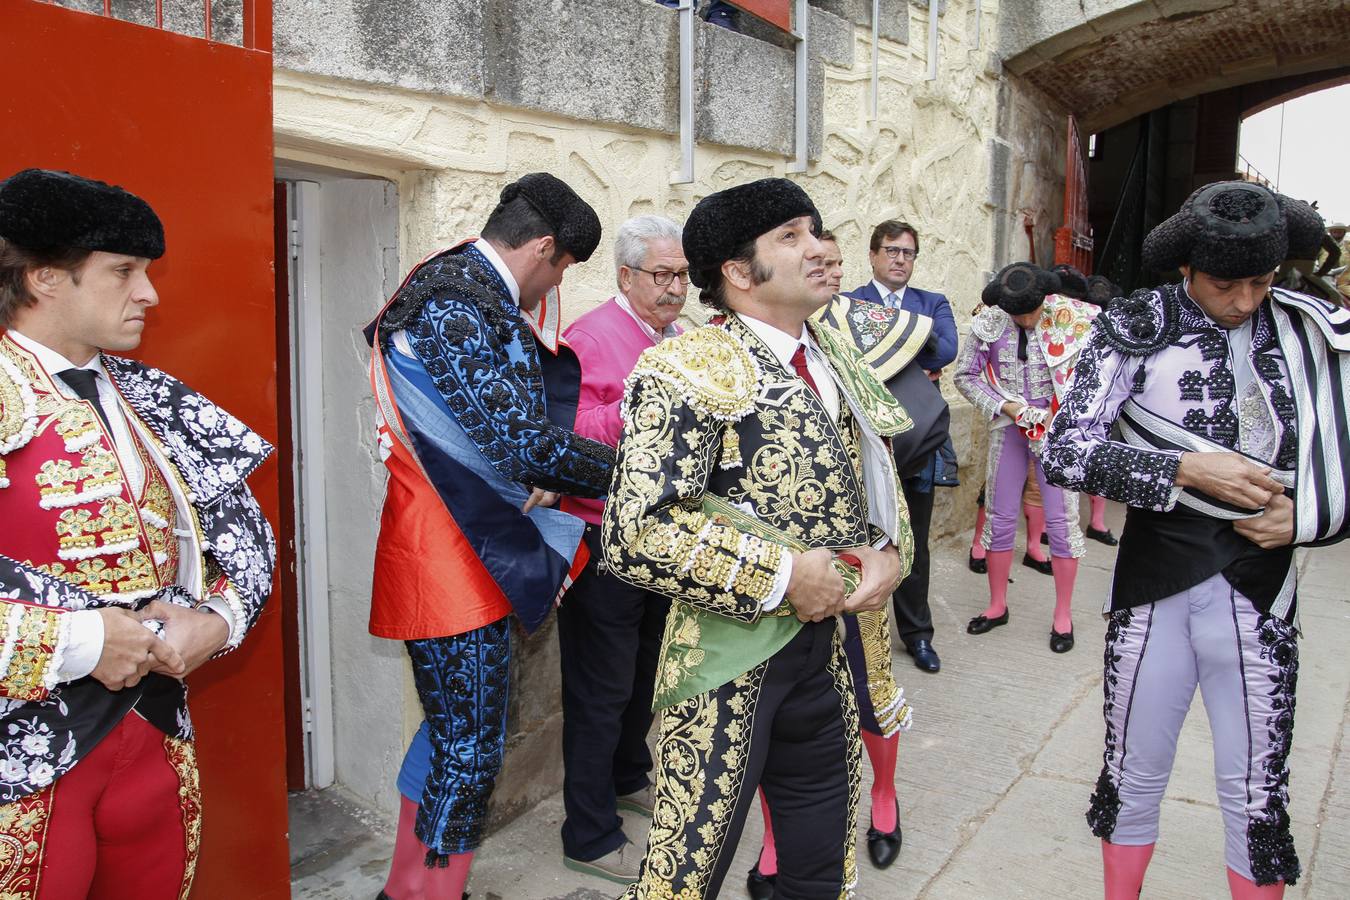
(609, 632)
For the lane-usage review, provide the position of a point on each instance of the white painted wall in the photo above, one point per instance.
(357, 234)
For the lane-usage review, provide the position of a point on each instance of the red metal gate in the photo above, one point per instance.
(186, 122)
(1073, 240)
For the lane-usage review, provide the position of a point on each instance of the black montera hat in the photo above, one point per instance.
(1102, 290)
(724, 222)
(576, 227)
(47, 211)
(1234, 229)
(1072, 283)
(1020, 288)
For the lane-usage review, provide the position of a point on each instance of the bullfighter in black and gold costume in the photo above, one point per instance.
(754, 488)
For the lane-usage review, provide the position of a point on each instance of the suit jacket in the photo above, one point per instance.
(942, 349)
(714, 414)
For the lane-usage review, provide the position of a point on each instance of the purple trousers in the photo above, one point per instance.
(1007, 473)
(1246, 666)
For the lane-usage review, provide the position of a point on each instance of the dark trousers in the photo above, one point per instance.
(912, 617)
(788, 725)
(609, 638)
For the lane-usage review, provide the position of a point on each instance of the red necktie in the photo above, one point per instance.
(799, 363)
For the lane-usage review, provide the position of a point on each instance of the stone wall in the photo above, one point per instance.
(962, 157)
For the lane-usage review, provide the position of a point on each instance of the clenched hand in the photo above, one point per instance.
(815, 589)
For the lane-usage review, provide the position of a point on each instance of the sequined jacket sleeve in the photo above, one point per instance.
(1079, 453)
(497, 401)
(31, 647)
(656, 535)
(968, 376)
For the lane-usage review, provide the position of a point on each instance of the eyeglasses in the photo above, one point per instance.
(664, 278)
(893, 252)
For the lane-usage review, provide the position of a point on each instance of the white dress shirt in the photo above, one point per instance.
(784, 346)
(891, 298)
(656, 336)
(84, 644)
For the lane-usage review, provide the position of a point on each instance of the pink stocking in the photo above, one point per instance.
(1098, 513)
(1000, 564)
(977, 545)
(1245, 889)
(1066, 572)
(1035, 528)
(882, 753)
(768, 854)
(409, 877)
(1123, 868)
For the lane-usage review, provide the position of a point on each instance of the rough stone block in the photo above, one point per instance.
(831, 39)
(611, 62)
(422, 45)
(859, 12)
(894, 19)
(745, 95)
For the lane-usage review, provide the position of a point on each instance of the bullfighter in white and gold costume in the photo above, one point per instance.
(754, 488)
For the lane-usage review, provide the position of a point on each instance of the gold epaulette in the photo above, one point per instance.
(707, 368)
(18, 408)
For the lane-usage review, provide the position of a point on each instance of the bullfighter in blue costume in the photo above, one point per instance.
(477, 396)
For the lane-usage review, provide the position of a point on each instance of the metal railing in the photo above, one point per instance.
(256, 18)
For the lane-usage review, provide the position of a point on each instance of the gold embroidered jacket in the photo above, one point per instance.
(713, 413)
(77, 536)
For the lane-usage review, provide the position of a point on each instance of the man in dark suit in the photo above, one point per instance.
(893, 251)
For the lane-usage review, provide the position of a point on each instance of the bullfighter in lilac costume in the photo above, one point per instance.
(1228, 395)
(1015, 363)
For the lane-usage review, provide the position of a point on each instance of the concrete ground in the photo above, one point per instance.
(993, 779)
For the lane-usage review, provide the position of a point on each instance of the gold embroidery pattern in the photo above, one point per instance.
(158, 517)
(23, 838)
(32, 634)
(887, 702)
(131, 578)
(657, 537)
(18, 409)
(82, 534)
(680, 651)
(883, 412)
(710, 369)
(183, 757)
(838, 667)
(61, 483)
(803, 477)
(699, 779)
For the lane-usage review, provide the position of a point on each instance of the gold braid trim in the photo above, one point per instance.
(30, 656)
(183, 757)
(23, 841)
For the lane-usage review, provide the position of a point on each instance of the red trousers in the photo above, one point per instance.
(125, 822)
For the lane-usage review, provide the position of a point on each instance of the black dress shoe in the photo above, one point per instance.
(925, 657)
(980, 624)
(760, 887)
(1061, 643)
(1106, 537)
(978, 566)
(1040, 565)
(884, 846)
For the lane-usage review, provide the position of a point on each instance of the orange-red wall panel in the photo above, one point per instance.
(186, 124)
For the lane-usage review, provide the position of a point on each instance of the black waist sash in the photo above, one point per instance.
(1164, 553)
